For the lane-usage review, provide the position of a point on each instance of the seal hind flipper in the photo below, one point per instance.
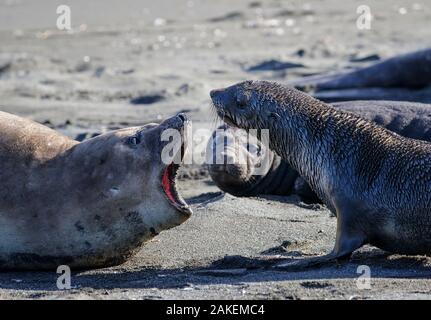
(409, 70)
(375, 93)
(403, 77)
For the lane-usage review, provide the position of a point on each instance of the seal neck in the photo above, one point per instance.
(301, 136)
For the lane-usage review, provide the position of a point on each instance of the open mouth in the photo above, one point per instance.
(223, 115)
(226, 119)
(170, 189)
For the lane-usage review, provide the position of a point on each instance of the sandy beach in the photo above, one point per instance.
(131, 62)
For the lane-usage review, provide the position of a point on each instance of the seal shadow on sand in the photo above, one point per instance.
(229, 270)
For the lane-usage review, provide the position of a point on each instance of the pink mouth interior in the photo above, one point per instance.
(169, 187)
(167, 184)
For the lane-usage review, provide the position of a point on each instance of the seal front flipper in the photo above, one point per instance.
(348, 239)
(348, 246)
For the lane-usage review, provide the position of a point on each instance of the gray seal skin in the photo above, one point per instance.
(375, 181)
(86, 205)
(241, 179)
(404, 77)
(411, 120)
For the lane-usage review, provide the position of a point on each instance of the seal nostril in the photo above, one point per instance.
(182, 116)
(213, 93)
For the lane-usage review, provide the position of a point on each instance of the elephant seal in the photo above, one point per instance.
(86, 205)
(411, 120)
(262, 172)
(403, 77)
(375, 181)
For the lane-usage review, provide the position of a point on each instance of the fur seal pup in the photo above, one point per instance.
(411, 120)
(375, 181)
(86, 205)
(403, 77)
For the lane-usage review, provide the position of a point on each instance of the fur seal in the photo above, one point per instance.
(404, 77)
(411, 120)
(86, 205)
(375, 181)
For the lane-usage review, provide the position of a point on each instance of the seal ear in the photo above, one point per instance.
(273, 115)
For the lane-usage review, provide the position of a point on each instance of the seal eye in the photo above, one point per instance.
(133, 141)
(241, 100)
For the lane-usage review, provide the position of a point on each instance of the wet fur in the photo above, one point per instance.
(411, 120)
(377, 182)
